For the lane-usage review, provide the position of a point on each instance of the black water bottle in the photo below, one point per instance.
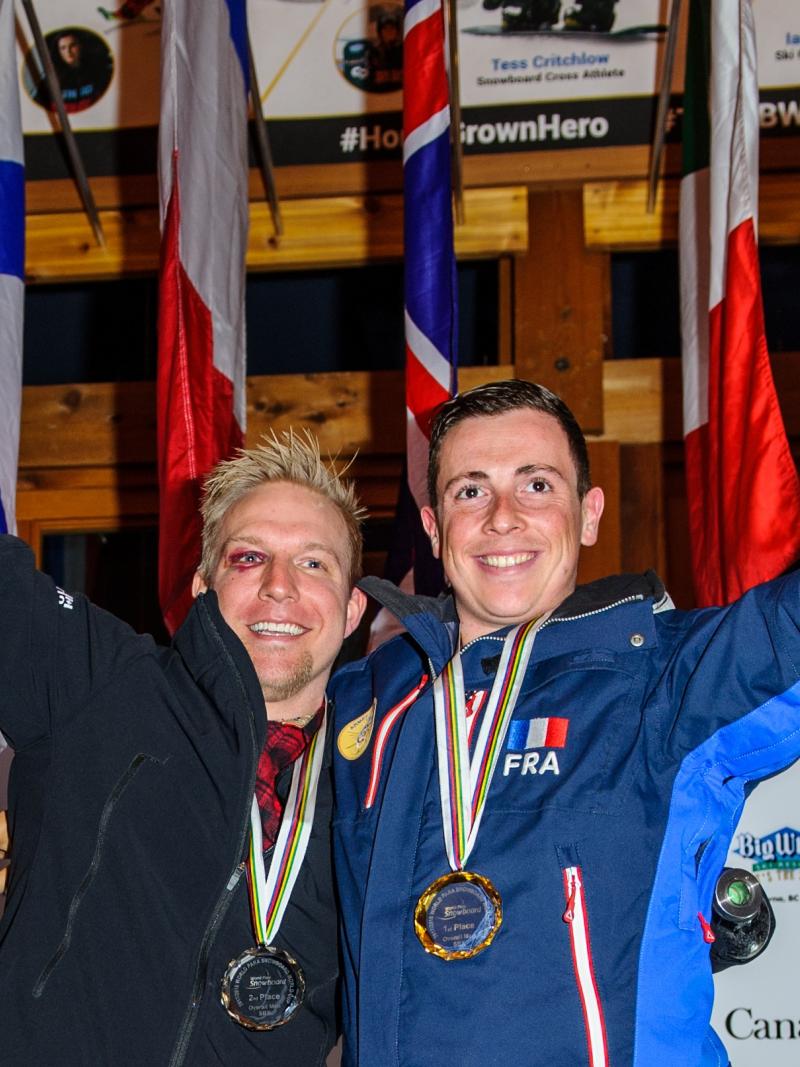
(742, 919)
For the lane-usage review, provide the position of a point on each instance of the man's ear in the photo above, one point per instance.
(356, 607)
(591, 510)
(429, 522)
(199, 584)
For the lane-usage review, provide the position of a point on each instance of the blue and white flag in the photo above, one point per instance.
(12, 264)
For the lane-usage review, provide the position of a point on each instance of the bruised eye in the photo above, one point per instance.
(245, 558)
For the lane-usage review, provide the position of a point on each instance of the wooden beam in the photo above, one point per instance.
(70, 427)
(643, 398)
(616, 219)
(562, 296)
(641, 472)
(340, 231)
(537, 170)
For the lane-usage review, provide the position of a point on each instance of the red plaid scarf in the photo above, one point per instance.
(283, 745)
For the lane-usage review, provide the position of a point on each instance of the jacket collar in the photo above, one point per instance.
(219, 664)
(433, 621)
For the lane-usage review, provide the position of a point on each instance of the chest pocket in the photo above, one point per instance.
(575, 740)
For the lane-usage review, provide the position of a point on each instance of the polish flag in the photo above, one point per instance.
(204, 220)
(742, 484)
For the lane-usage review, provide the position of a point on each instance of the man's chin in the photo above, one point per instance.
(285, 683)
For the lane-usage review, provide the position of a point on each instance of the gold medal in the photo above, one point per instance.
(458, 915)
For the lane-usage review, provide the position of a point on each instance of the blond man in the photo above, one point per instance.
(170, 898)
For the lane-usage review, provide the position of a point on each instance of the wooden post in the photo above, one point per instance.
(562, 299)
(642, 508)
(605, 557)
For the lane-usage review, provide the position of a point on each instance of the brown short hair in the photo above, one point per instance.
(288, 457)
(496, 398)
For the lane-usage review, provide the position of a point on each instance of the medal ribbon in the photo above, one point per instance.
(269, 893)
(464, 782)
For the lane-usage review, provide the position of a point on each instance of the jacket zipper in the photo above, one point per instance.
(575, 916)
(220, 909)
(108, 810)
(595, 611)
(382, 737)
(566, 618)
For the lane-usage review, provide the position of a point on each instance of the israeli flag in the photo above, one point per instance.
(12, 264)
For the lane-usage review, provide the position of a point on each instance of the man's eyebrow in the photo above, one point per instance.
(537, 468)
(473, 476)
(527, 468)
(320, 546)
(253, 539)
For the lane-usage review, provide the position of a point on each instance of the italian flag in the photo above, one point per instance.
(742, 484)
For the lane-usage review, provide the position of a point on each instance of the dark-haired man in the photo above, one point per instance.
(536, 784)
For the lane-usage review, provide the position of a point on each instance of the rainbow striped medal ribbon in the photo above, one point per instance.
(264, 987)
(459, 914)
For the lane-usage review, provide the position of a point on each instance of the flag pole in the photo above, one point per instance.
(264, 151)
(660, 130)
(456, 155)
(78, 169)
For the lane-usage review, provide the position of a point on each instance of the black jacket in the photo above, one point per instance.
(129, 811)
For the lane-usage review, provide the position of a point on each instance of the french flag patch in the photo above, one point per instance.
(537, 733)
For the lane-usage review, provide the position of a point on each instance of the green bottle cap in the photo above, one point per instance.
(739, 893)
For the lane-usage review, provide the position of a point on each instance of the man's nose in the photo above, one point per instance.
(503, 515)
(278, 581)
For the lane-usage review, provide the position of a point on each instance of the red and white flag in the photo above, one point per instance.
(742, 484)
(204, 219)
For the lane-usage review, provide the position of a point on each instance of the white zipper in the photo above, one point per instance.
(382, 736)
(576, 918)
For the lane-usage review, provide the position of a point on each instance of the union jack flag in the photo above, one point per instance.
(431, 295)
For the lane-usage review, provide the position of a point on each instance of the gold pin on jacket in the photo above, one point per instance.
(355, 735)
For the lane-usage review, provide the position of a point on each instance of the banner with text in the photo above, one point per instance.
(535, 75)
(757, 1006)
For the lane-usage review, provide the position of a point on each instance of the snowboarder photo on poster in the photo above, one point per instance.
(587, 16)
(375, 63)
(84, 67)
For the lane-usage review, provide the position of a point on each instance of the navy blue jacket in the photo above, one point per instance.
(129, 804)
(621, 824)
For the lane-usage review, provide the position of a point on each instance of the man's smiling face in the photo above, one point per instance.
(509, 523)
(283, 584)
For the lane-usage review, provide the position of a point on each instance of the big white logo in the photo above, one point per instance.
(531, 763)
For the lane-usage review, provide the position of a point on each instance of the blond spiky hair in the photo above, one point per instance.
(288, 457)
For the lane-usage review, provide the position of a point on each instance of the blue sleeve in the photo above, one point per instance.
(733, 677)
